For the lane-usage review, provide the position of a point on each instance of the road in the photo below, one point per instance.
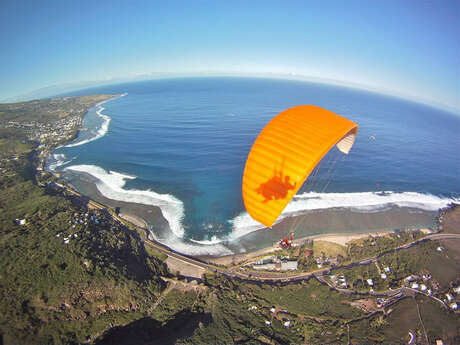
(277, 276)
(241, 273)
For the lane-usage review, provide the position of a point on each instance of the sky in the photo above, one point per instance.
(408, 48)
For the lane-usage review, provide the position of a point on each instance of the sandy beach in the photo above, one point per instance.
(138, 221)
(342, 239)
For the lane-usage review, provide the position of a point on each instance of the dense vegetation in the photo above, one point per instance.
(70, 274)
(62, 280)
(57, 292)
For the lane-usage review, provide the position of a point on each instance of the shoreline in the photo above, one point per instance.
(338, 225)
(352, 225)
(133, 219)
(338, 238)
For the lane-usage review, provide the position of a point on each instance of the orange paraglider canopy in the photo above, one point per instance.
(285, 153)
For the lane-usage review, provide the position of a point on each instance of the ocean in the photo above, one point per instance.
(181, 145)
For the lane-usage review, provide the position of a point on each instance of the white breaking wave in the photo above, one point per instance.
(181, 246)
(104, 126)
(213, 240)
(367, 202)
(111, 184)
(100, 132)
(59, 160)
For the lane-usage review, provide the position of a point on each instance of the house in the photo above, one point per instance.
(387, 269)
(268, 323)
(415, 286)
(423, 287)
(440, 249)
(272, 309)
(269, 267)
(449, 297)
(20, 221)
(370, 282)
(287, 324)
(453, 306)
(383, 276)
(457, 289)
(264, 261)
(288, 265)
(439, 342)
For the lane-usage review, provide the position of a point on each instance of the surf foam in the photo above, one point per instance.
(365, 202)
(104, 125)
(57, 160)
(111, 183)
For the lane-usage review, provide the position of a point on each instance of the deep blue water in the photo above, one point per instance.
(189, 138)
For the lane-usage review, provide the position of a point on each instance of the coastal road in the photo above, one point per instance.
(244, 274)
(277, 276)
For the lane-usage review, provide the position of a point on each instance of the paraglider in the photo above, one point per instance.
(285, 153)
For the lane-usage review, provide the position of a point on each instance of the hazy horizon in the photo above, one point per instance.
(62, 89)
(407, 49)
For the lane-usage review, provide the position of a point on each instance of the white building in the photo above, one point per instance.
(415, 286)
(370, 282)
(288, 265)
(269, 267)
(453, 306)
(20, 221)
(387, 269)
(383, 276)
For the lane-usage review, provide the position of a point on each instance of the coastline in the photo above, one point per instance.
(333, 225)
(133, 219)
(338, 238)
(338, 225)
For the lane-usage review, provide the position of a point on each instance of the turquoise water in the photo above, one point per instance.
(181, 144)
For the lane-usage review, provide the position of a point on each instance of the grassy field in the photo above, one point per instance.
(404, 317)
(451, 222)
(155, 253)
(443, 266)
(438, 323)
(330, 249)
(312, 299)
(14, 147)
